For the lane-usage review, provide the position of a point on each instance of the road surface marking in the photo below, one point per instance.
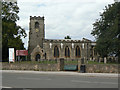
(93, 82)
(5, 87)
(33, 78)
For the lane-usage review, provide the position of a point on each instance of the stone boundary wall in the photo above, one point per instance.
(90, 68)
(30, 66)
(102, 68)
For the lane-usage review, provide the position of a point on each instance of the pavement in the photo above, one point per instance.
(112, 75)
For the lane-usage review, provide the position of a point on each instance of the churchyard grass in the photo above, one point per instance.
(71, 62)
(95, 62)
(66, 62)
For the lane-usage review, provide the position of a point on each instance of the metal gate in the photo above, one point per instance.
(71, 65)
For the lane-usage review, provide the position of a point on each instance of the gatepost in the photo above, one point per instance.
(60, 64)
(82, 65)
(79, 64)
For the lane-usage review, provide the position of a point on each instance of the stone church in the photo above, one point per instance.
(40, 48)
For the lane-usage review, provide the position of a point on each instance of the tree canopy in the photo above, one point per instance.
(106, 30)
(11, 32)
(67, 37)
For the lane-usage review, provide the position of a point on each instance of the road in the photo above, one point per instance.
(37, 80)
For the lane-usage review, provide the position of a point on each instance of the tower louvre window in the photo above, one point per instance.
(36, 25)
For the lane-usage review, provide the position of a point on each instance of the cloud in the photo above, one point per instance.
(62, 17)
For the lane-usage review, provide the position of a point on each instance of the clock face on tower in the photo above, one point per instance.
(36, 30)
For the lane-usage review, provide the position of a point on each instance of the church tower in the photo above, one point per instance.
(36, 33)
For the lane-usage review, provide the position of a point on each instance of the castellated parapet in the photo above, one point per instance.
(36, 18)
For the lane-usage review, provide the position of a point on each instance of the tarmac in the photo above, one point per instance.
(111, 75)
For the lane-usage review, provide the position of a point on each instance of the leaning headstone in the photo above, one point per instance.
(90, 59)
(105, 60)
(100, 59)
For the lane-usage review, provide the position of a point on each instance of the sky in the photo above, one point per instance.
(62, 17)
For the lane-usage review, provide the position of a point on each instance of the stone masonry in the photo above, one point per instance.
(40, 48)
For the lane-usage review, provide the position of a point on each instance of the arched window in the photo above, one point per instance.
(77, 51)
(67, 51)
(36, 25)
(56, 52)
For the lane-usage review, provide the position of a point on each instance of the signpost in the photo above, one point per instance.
(11, 55)
(21, 53)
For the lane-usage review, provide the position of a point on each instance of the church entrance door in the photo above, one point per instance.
(38, 57)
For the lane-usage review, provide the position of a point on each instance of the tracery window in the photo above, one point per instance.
(67, 51)
(77, 51)
(56, 52)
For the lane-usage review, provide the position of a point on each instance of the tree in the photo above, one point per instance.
(11, 32)
(107, 31)
(67, 37)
